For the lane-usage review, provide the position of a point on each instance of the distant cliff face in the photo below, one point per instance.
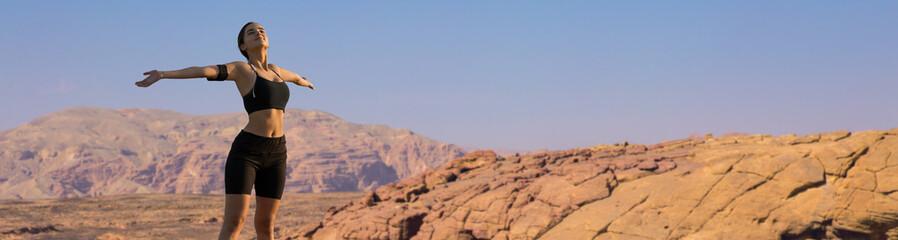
(834, 185)
(87, 151)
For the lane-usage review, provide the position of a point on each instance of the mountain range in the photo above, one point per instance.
(92, 151)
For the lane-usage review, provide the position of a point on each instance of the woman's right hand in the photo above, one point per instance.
(153, 77)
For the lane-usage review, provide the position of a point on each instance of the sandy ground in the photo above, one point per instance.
(151, 216)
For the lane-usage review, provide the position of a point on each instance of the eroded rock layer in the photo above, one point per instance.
(829, 185)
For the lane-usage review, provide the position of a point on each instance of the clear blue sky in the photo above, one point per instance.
(496, 74)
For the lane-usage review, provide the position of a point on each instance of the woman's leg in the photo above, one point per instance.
(266, 211)
(269, 186)
(236, 206)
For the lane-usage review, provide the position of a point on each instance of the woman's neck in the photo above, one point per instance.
(259, 59)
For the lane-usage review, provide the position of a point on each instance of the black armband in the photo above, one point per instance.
(222, 73)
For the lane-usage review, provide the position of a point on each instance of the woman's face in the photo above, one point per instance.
(254, 36)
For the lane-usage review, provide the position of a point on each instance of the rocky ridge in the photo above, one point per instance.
(836, 185)
(90, 151)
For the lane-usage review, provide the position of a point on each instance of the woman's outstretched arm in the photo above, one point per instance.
(293, 77)
(211, 71)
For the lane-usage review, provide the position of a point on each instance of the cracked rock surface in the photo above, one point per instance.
(836, 185)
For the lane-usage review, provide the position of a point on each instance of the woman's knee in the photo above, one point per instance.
(266, 224)
(235, 222)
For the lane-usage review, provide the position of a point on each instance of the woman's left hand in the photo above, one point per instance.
(305, 83)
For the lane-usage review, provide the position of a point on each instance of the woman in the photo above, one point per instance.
(258, 155)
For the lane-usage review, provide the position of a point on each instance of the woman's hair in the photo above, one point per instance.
(240, 39)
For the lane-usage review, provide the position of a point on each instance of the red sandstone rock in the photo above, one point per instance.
(830, 185)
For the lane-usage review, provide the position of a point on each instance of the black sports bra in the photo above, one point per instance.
(265, 94)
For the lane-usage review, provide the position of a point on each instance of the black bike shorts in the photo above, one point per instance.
(259, 161)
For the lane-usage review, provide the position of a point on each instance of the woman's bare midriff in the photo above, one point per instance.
(266, 123)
